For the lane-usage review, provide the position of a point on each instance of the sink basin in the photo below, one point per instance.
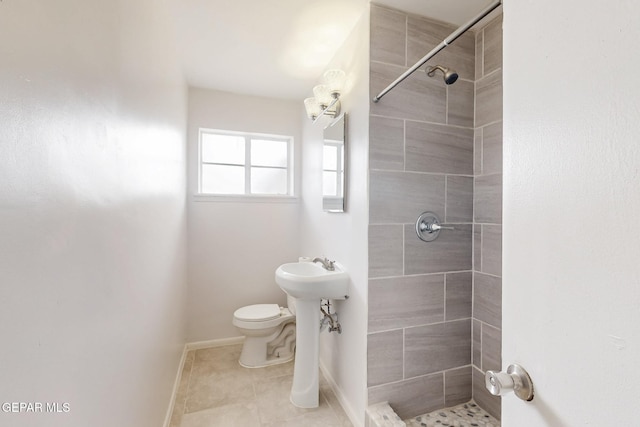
(311, 280)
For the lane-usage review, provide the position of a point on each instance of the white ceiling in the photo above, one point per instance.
(279, 48)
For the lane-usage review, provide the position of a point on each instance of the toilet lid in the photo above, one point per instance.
(258, 312)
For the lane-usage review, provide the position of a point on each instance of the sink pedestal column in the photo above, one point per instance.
(305, 390)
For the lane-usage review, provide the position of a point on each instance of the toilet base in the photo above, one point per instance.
(275, 349)
(263, 364)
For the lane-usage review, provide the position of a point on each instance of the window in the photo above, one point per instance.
(233, 163)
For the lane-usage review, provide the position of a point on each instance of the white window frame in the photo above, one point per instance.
(247, 195)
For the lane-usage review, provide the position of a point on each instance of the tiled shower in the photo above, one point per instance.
(434, 308)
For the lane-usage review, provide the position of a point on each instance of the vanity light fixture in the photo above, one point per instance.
(326, 96)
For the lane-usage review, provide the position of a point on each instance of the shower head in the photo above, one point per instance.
(450, 76)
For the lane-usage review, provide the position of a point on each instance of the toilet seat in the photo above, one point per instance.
(257, 317)
(258, 313)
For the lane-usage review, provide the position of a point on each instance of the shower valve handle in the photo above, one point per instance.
(433, 226)
(428, 226)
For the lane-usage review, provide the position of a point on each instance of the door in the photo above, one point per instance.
(571, 237)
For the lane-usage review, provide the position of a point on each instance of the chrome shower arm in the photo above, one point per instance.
(447, 41)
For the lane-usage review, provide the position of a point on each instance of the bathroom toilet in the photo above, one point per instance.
(270, 333)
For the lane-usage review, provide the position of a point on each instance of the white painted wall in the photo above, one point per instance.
(235, 247)
(571, 206)
(344, 236)
(92, 211)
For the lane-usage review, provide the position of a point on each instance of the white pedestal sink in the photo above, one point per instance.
(309, 283)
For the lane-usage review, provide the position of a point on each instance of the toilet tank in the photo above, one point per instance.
(291, 303)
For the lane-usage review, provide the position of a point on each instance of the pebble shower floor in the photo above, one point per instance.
(465, 415)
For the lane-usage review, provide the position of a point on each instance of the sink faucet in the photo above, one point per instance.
(328, 265)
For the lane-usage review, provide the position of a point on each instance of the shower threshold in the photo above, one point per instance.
(465, 415)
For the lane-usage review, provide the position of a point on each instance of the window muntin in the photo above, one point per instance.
(245, 164)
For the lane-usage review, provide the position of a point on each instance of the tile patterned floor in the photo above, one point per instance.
(465, 415)
(216, 391)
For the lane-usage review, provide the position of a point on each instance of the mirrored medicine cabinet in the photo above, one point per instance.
(334, 165)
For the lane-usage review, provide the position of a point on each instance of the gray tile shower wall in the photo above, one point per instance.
(417, 98)
(487, 264)
(438, 148)
(403, 302)
(434, 308)
(423, 34)
(437, 347)
(421, 159)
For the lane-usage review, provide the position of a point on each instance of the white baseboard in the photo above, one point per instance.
(194, 346)
(176, 384)
(348, 409)
(213, 343)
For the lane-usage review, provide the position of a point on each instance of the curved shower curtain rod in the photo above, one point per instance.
(446, 42)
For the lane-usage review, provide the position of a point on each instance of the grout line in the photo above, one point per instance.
(481, 149)
(386, 330)
(464, 319)
(446, 104)
(482, 55)
(429, 122)
(492, 72)
(412, 223)
(481, 241)
(487, 274)
(475, 105)
(438, 123)
(399, 171)
(444, 388)
(422, 173)
(425, 274)
(422, 376)
(404, 329)
(473, 299)
(489, 325)
(391, 64)
(406, 40)
(446, 181)
(404, 145)
(444, 311)
(489, 124)
(481, 349)
(403, 251)
(404, 332)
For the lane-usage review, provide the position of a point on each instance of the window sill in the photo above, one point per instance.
(243, 199)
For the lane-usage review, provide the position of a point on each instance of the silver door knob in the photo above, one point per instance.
(516, 379)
